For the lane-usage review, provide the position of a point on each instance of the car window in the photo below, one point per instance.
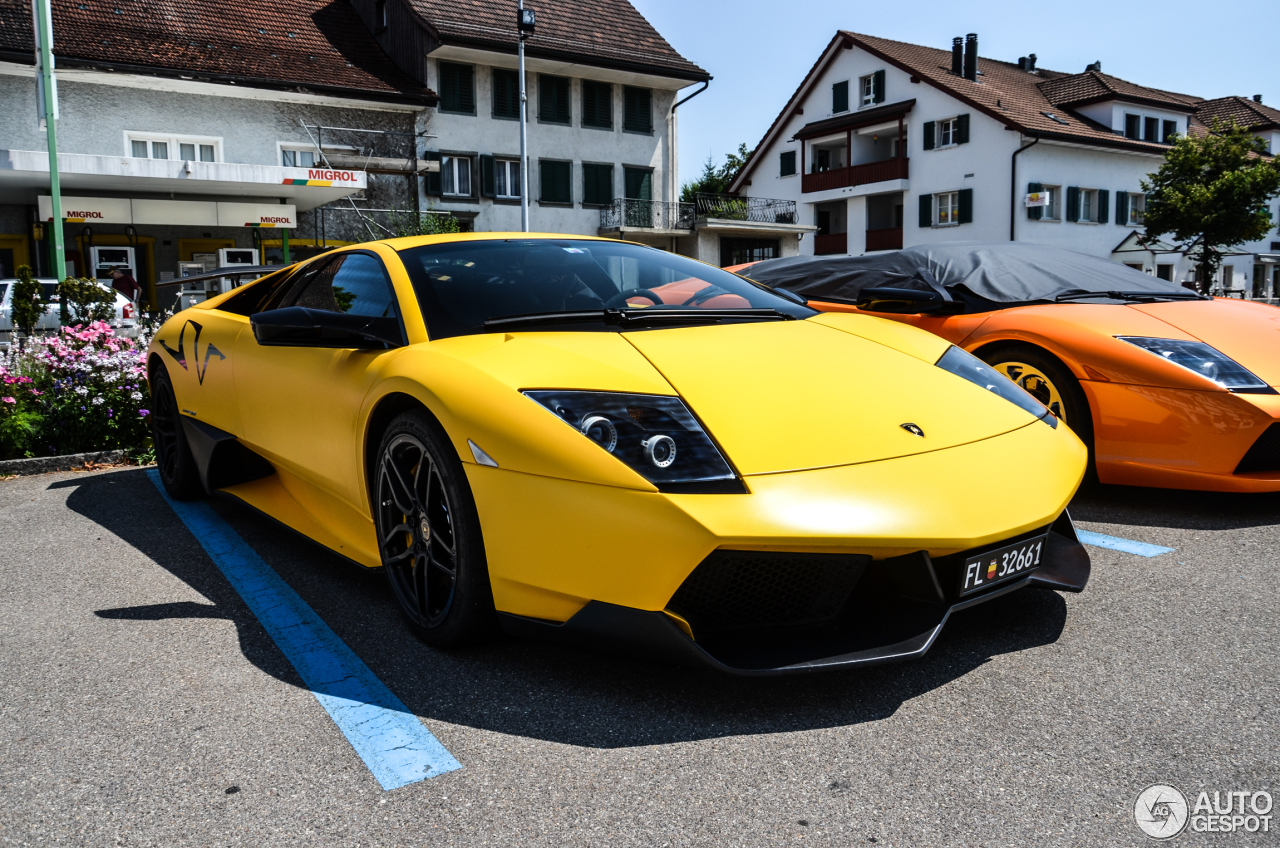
(354, 283)
(254, 297)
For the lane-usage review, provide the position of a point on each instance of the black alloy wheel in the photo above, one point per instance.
(428, 534)
(177, 467)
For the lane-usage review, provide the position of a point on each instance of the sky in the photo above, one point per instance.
(758, 51)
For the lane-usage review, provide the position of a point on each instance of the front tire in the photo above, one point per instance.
(177, 467)
(1049, 381)
(429, 534)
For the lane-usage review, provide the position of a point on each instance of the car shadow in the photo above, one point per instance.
(1174, 508)
(531, 689)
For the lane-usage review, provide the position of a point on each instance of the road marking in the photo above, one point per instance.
(393, 743)
(1129, 546)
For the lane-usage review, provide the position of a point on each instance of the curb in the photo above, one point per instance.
(71, 462)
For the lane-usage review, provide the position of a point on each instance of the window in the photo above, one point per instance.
(840, 97)
(947, 132)
(379, 15)
(638, 183)
(1170, 130)
(298, 157)
(506, 94)
(1088, 205)
(508, 178)
(1130, 208)
(1132, 126)
(737, 251)
(1151, 129)
(787, 164)
(637, 109)
(597, 104)
(1165, 272)
(553, 99)
(948, 206)
(597, 184)
(1050, 194)
(182, 148)
(457, 89)
(555, 182)
(871, 89)
(455, 176)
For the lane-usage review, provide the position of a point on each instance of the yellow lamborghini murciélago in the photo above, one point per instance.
(596, 439)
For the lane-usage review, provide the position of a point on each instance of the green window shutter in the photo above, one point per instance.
(1104, 202)
(1073, 203)
(930, 134)
(788, 164)
(962, 129)
(457, 88)
(966, 206)
(637, 109)
(597, 184)
(840, 97)
(597, 104)
(433, 186)
(1035, 213)
(553, 99)
(506, 93)
(555, 181)
(926, 211)
(1122, 207)
(488, 182)
(877, 87)
(638, 183)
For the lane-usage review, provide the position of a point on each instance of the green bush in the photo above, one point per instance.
(27, 305)
(87, 300)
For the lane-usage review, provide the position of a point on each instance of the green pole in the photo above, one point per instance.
(284, 244)
(44, 37)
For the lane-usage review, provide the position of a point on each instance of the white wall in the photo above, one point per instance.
(481, 133)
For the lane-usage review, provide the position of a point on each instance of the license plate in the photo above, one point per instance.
(1001, 565)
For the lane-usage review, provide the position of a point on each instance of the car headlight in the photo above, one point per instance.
(973, 369)
(656, 436)
(1204, 360)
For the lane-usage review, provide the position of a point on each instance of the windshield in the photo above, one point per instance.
(461, 285)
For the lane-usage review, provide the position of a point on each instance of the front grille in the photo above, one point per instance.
(1265, 453)
(745, 590)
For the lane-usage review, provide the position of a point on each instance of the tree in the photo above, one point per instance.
(715, 180)
(408, 223)
(27, 306)
(1210, 194)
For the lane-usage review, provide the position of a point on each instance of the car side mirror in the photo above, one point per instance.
(905, 301)
(297, 326)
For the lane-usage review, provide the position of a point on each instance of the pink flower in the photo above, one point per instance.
(8, 400)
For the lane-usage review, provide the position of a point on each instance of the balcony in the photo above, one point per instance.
(886, 239)
(856, 175)
(832, 243)
(760, 210)
(647, 215)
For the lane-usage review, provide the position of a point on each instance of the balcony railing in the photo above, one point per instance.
(886, 239)
(832, 243)
(762, 210)
(647, 214)
(856, 175)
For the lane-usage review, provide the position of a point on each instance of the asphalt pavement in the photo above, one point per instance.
(144, 704)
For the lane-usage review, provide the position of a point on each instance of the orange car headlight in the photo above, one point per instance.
(1204, 360)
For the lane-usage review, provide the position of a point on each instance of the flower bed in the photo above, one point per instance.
(81, 390)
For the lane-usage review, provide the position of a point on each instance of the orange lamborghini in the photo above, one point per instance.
(1166, 387)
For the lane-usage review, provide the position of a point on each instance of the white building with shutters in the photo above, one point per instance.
(887, 144)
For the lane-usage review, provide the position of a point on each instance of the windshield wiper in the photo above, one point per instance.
(637, 317)
(1136, 296)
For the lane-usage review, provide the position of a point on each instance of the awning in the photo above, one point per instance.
(24, 175)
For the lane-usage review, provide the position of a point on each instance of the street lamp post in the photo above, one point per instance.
(526, 21)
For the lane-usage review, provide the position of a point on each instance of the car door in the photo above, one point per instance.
(300, 406)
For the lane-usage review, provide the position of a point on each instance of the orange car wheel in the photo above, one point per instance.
(1047, 380)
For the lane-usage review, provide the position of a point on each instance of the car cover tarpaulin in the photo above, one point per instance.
(1003, 272)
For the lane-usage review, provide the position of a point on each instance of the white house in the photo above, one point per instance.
(887, 144)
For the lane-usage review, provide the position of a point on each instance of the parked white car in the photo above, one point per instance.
(125, 313)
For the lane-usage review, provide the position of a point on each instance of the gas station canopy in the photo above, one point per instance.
(24, 176)
(207, 213)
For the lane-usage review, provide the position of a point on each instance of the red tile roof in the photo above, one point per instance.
(1247, 113)
(608, 32)
(1095, 86)
(313, 45)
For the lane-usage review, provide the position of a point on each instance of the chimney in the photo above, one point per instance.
(1257, 98)
(1031, 62)
(1096, 66)
(957, 55)
(971, 56)
(1022, 63)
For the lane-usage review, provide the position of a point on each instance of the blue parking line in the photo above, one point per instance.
(1128, 546)
(391, 740)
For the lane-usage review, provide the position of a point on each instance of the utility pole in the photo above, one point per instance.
(48, 113)
(526, 21)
